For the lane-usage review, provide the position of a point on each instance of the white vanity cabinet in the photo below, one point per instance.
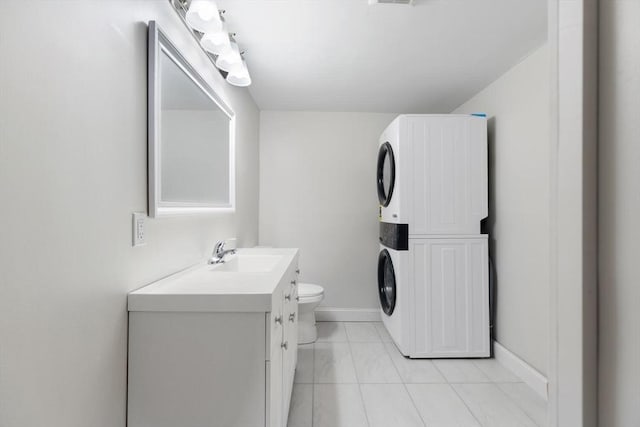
(283, 352)
(214, 352)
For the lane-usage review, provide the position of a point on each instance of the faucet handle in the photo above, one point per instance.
(231, 242)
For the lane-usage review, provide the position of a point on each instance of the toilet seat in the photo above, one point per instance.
(308, 290)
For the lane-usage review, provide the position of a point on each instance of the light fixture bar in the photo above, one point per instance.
(182, 7)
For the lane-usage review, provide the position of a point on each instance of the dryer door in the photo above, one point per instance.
(386, 172)
(386, 282)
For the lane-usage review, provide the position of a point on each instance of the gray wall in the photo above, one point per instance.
(619, 211)
(517, 107)
(73, 134)
(318, 193)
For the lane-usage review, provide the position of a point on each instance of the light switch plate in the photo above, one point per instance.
(138, 237)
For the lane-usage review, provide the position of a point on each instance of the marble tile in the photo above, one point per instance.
(331, 332)
(495, 371)
(528, 400)
(389, 405)
(440, 406)
(492, 407)
(460, 371)
(373, 364)
(414, 370)
(349, 356)
(304, 368)
(362, 332)
(382, 330)
(338, 405)
(300, 414)
(332, 363)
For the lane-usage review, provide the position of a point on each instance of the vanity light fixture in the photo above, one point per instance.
(216, 42)
(206, 23)
(203, 15)
(229, 57)
(239, 75)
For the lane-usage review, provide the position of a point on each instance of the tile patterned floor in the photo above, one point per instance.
(354, 376)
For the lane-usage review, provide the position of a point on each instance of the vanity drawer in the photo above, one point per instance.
(290, 355)
(274, 324)
(283, 315)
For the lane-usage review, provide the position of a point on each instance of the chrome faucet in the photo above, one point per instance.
(217, 257)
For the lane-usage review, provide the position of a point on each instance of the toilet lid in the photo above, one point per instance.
(309, 290)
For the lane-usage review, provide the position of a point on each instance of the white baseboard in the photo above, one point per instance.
(522, 369)
(333, 314)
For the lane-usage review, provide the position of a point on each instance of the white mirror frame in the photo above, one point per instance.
(157, 44)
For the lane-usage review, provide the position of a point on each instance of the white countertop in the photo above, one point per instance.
(202, 288)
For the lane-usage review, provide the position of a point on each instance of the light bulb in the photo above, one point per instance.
(203, 16)
(216, 42)
(229, 57)
(239, 75)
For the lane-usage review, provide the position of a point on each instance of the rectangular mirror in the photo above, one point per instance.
(191, 136)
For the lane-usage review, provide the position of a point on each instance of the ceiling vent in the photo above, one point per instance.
(409, 2)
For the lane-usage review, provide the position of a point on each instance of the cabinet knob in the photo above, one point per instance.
(287, 297)
(292, 317)
(278, 320)
(285, 345)
(297, 298)
(297, 271)
(294, 282)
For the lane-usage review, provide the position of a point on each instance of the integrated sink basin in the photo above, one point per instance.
(247, 263)
(245, 282)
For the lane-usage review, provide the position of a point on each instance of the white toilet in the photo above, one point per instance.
(310, 296)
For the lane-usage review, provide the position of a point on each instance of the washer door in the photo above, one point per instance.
(386, 282)
(386, 173)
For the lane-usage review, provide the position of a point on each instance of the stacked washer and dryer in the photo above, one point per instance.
(433, 264)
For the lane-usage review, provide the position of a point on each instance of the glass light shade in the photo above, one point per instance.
(229, 57)
(239, 75)
(216, 42)
(203, 16)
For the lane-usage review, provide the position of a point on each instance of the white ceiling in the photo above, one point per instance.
(344, 55)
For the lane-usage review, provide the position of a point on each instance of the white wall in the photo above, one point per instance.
(619, 208)
(517, 106)
(318, 193)
(73, 134)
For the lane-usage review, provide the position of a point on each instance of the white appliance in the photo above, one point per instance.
(433, 262)
(432, 173)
